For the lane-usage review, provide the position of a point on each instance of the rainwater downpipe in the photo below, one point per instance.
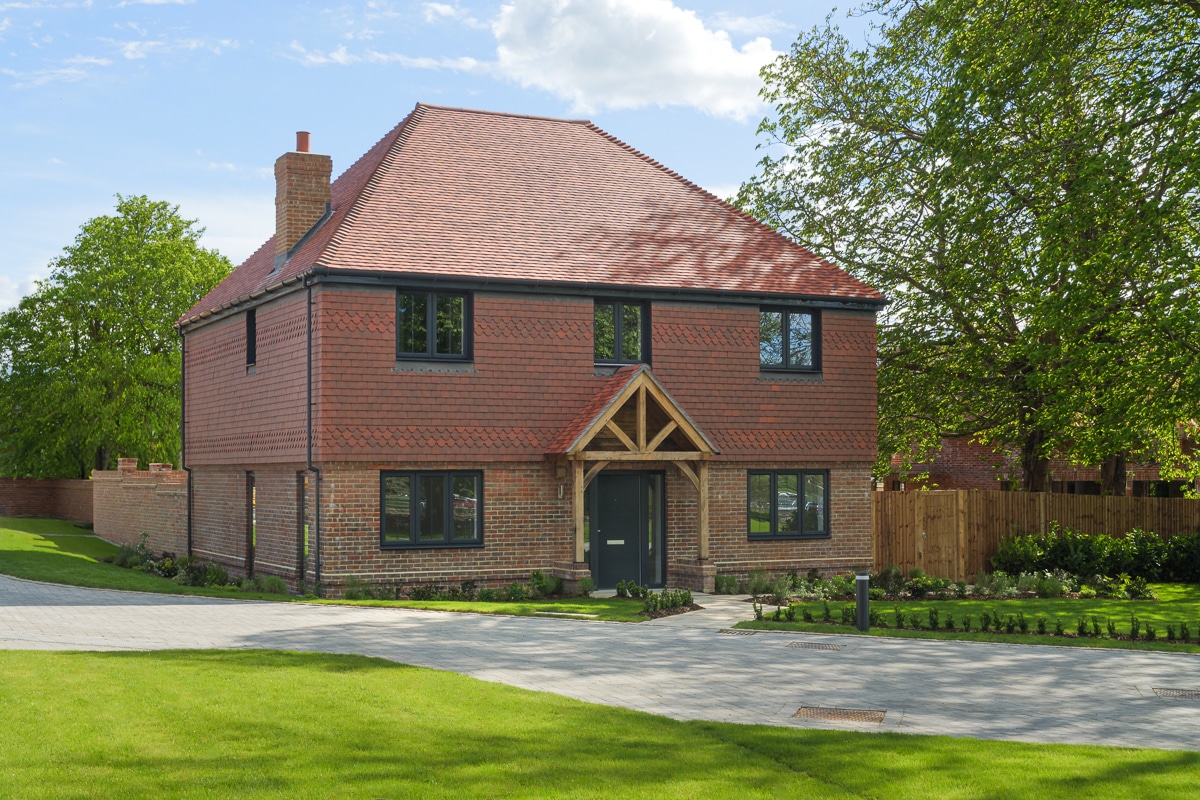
(308, 446)
(183, 431)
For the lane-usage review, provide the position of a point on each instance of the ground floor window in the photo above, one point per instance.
(788, 504)
(431, 509)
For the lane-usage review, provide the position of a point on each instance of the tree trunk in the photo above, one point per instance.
(1035, 470)
(102, 456)
(1112, 475)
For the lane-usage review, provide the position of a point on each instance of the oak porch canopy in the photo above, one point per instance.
(632, 418)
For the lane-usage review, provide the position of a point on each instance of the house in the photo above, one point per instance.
(501, 343)
(963, 463)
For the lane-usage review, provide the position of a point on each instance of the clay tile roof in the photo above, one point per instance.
(482, 195)
(600, 401)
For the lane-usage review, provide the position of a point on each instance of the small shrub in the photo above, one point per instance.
(1081, 627)
(586, 586)
(899, 617)
(1135, 626)
(841, 586)
(781, 590)
(424, 592)
(806, 614)
(1087, 593)
(1022, 623)
(726, 584)
(960, 589)
(890, 579)
(356, 589)
(1184, 632)
(1138, 588)
(1112, 628)
(949, 624)
(1058, 627)
(920, 586)
(758, 615)
(827, 615)
(514, 593)
(126, 556)
(1151, 632)
(985, 621)
(875, 593)
(1095, 627)
(1041, 626)
(933, 619)
(1170, 633)
(490, 595)
(875, 619)
(1010, 624)
(847, 615)
(542, 585)
(758, 582)
(966, 623)
(790, 613)
(623, 589)
(267, 584)
(1049, 587)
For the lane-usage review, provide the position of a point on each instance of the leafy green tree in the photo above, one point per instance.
(90, 362)
(1021, 179)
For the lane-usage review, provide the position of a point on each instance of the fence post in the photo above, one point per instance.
(919, 526)
(960, 525)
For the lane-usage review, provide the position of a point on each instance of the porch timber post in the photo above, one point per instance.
(702, 486)
(577, 508)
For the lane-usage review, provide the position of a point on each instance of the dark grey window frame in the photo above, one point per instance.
(431, 353)
(786, 344)
(774, 535)
(617, 303)
(413, 542)
(251, 337)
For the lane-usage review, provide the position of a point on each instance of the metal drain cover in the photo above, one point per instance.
(737, 632)
(817, 646)
(841, 714)
(1184, 694)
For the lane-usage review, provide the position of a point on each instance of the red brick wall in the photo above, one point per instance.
(128, 501)
(59, 498)
(237, 414)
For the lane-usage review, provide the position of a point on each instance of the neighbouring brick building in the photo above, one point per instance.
(501, 343)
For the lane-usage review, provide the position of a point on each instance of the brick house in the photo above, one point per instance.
(501, 343)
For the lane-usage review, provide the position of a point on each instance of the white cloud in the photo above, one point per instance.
(40, 77)
(5, 24)
(140, 48)
(624, 54)
(344, 57)
(436, 12)
(747, 26)
(87, 60)
(58, 162)
(125, 3)
(13, 289)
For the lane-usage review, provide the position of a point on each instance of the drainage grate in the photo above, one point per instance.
(1185, 694)
(737, 632)
(841, 714)
(817, 646)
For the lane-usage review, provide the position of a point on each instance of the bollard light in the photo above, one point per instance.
(862, 601)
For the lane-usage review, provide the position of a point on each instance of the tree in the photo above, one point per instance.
(90, 361)
(1021, 179)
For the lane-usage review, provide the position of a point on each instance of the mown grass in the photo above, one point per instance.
(61, 552)
(608, 609)
(256, 724)
(1177, 603)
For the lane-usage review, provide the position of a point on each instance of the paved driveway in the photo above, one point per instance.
(681, 667)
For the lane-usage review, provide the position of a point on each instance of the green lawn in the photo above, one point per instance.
(253, 724)
(1177, 603)
(61, 552)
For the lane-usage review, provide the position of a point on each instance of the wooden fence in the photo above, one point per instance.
(951, 534)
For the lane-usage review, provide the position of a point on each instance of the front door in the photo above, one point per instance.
(626, 540)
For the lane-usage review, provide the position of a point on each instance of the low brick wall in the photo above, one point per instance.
(59, 498)
(128, 501)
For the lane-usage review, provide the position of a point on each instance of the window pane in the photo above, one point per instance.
(631, 333)
(800, 349)
(605, 332)
(466, 507)
(451, 322)
(787, 485)
(397, 500)
(814, 503)
(411, 323)
(431, 524)
(770, 338)
(760, 503)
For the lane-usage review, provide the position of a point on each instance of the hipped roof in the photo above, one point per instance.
(475, 195)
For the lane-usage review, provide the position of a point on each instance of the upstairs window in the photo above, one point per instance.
(789, 339)
(251, 337)
(433, 325)
(622, 332)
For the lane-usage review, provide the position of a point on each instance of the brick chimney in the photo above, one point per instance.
(301, 194)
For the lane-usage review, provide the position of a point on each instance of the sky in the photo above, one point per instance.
(191, 101)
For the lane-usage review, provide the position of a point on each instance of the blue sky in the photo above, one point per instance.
(192, 101)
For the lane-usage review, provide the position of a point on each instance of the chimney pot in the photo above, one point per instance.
(302, 141)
